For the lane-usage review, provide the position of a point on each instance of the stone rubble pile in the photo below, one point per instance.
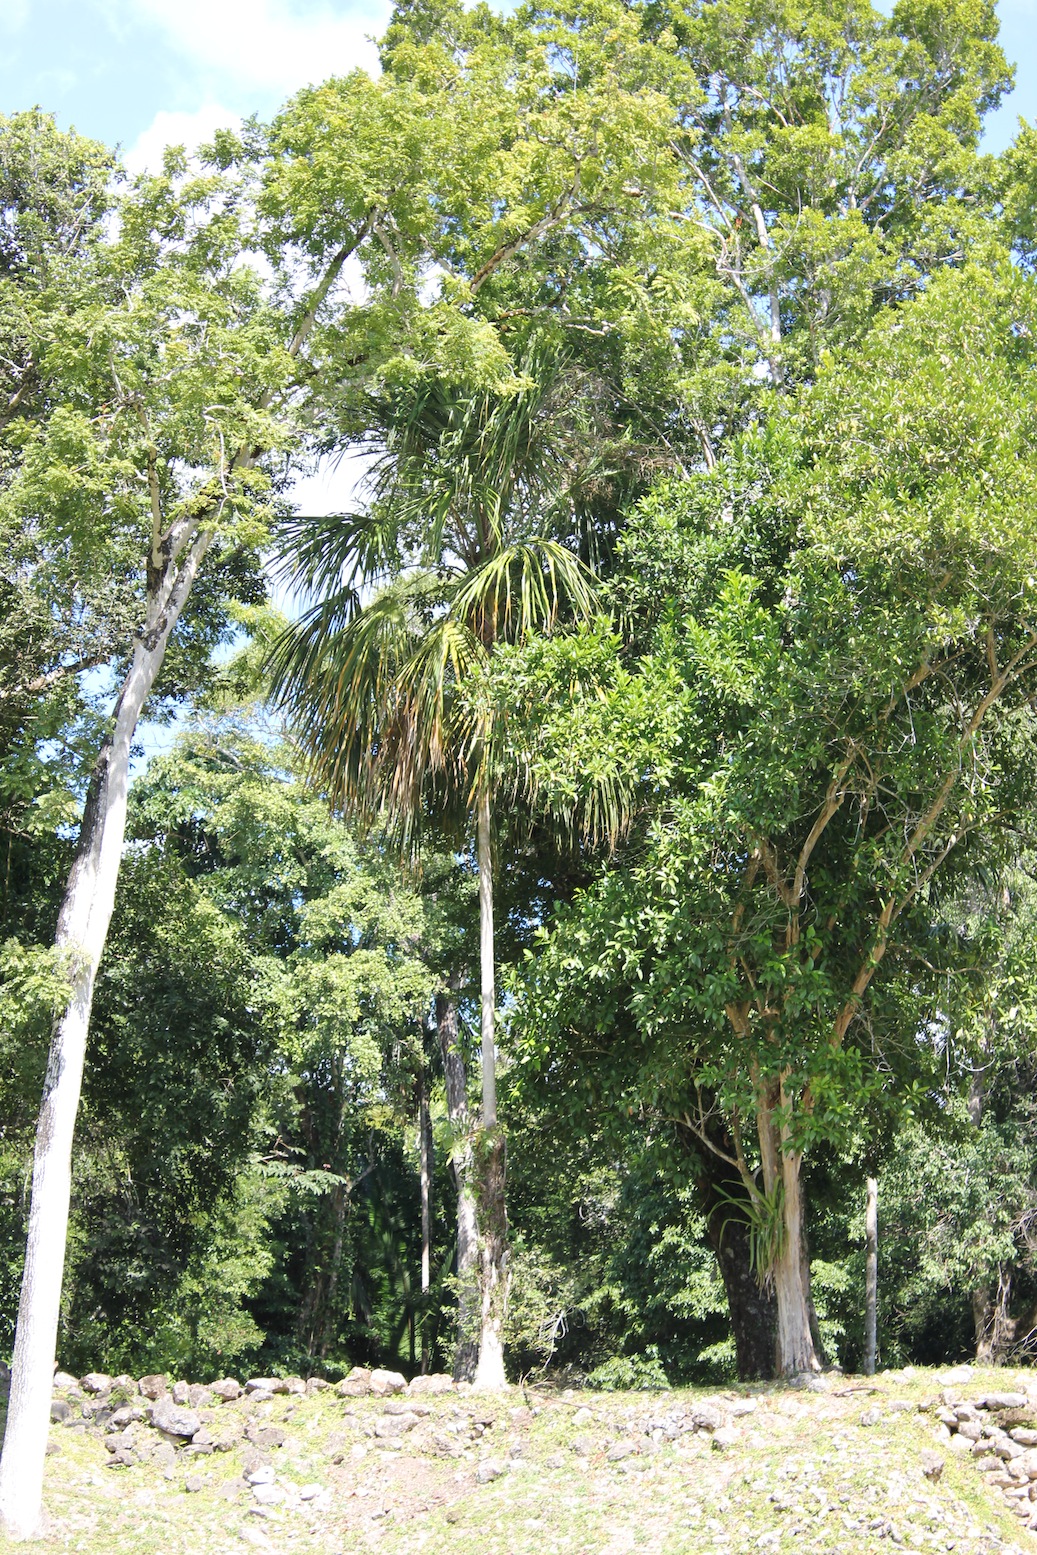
(151, 1418)
(998, 1432)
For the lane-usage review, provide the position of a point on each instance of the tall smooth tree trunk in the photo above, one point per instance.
(795, 1351)
(425, 1154)
(490, 1150)
(466, 1353)
(83, 922)
(871, 1279)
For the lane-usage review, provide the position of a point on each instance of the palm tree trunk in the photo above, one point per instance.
(490, 1153)
(425, 1155)
(466, 1352)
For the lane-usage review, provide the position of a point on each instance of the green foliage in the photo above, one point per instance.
(630, 1374)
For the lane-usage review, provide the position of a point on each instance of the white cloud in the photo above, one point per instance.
(273, 45)
(176, 129)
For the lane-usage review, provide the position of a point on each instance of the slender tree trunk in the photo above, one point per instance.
(466, 1353)
(491, 1157)
(871, 1279)
(82, 930)
(425, 1152)
(795, 1350)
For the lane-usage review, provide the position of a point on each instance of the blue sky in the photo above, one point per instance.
(142, 73)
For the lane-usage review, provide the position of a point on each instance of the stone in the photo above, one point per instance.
(180, 1393)
(727, 1436)
(316, 1385)
(64, 1380)
(405, 1406)
(265, 1436)
(971, 1430)
(1025, 1436)
(355, 1384)
(164, 1455)
(394, 1425)
(96, 1382)
(959, 1374)
(198, 1397)
(582, 1446)
(1007, 1449)
(269, 1385)
(1026, 1464)
(310, 1492)
(434, 1382)
(1001, 1401)
(119, 1440)
(60, 1410)
(583, 1416)
(153, 1386)
(175, 1421)
(293, 1385)
(227, 1389)
(742, 1407)
(932, 1465)
(264, 1474)
(383, 1382)
(488, 1470)
(125, 1415)
(522, 1416)
(125, 1458)
(706, 1417)
(620, 1450)
(870, 1417)
(555, 1461)
(124, 1383)
(193, 1483)
(268, 1495)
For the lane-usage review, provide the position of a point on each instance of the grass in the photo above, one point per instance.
(801, 1473)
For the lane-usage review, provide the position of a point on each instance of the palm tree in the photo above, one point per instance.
(462, 547)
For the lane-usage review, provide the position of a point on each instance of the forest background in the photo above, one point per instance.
(749, 312)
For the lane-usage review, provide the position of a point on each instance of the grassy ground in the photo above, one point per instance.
(834, 1473)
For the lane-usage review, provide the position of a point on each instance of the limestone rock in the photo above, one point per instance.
(193, 1483)
(394, 1425)
(488, 1470)
(198, 1396)
(268, 1495)
(706, 1416)
(434, 1382)
(383, 1382)
(96, 1382)
(265, 1436)
(171, 1418)
(356, 1384)
(64, 1380)
(264, 1385)
(991, 1401)
(727, 1436)
(153, 1386)
(582, 1446)
(620, 1450)
(227, 1389)
(316, 1385)
(60, 1410)
(932, 1465)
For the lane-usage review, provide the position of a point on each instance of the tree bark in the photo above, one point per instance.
(871, 1279)
(491, 1155)
(83, 922)
(750, 1302)
(466, 1353)
(795, 1351)
(425, 1153)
